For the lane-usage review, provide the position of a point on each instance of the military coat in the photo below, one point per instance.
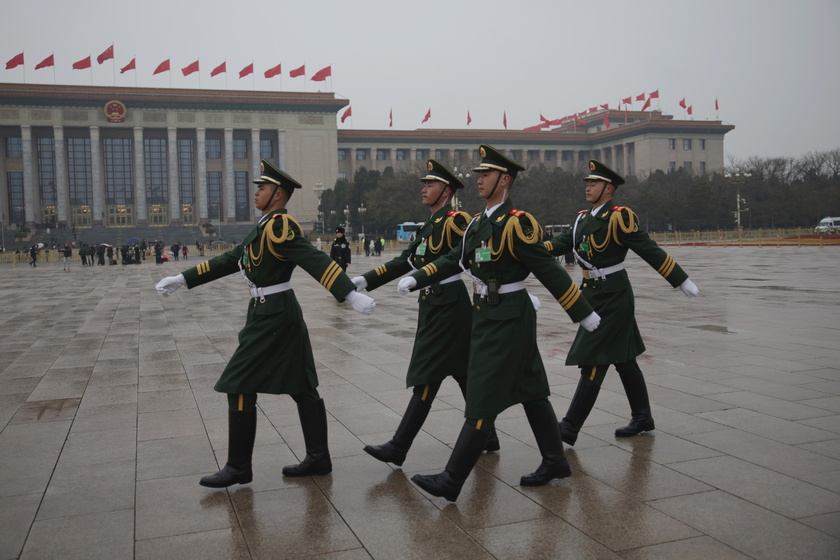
(603, 241)
(274, 353)
(442, 340)
(505, 367)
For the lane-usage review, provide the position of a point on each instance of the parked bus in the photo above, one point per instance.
(407, 231)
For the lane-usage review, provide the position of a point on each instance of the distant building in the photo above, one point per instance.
(119, 157)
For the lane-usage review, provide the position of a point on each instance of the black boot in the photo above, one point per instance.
(637, 395)
(395, 450)
(546, 430)
(313, 421)
(448, 484)
(493, 441)
(585, 396)
(242, 429)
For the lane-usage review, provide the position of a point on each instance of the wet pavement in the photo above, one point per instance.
(108, 419)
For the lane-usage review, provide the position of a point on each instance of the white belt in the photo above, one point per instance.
(257, 292)
(451, 279)
(481, 289)
(601, 273)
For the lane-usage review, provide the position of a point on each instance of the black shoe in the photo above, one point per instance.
(546, 430)
(388, 452)
(636, 427)
(313, 422)
(471, 442)
(546, 472)
(310, 466)
(228, 476)
(441, 485)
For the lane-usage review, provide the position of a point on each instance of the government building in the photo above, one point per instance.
(94, 157)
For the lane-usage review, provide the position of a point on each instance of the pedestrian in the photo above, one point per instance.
(67, 254)
(175, 249)
(184, 251)
(501, 247)
(340, 251)
(599, 240)
(443, 316)
(143, 247)
(318, 243)
(274, 353)
(33, 255)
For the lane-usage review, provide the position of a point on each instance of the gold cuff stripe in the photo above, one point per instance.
(430, 269)
(667, 267)
(568, 299)
(381, 269)
(330, 275)
(549, 246)
(203, 267)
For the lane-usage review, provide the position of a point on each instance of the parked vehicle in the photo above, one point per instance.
(828, 225)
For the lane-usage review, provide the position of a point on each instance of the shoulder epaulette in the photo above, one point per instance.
(618, 208)
(477, 215)
(583, 211)
(452, 213)
(517, 213)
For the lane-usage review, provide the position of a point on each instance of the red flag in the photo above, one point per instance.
(107, 55)
(654, 95)
(130, 66)
(577, 120)
(391, 118)
(347, 113)
(640, 97)
(504, 119)
(542, 118)
(162, 67)
(189, 69)
(534, 128)
(682, 102)
(298, 72)
(606, 120)
(555, 122)
(605, 106)
(469, 118)
(646, 105)
(689, 109)
(220, 69)
(322, 74)
(427, 117)
(49, 61)
(716, 103)
(82, 64)
(271, 72)
(627, 100)
(593, 109)
(17, 60)
(247, 70)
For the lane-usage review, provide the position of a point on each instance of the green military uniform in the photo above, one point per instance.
(444, 312)
(505, 367)
(274, 353)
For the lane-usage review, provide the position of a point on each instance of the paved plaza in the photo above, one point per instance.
(108, 419)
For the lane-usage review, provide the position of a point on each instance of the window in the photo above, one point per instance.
(342, 176)
(439, 154)
(361, 155)
(214, 195)
(342, 155)
(687, 166)
(79, 174)
(157, 184)
(672, 166)
(213, 148)
(672, 144)
(17, 208)
(14, 147)
(186, 170)
(421, 154)
(702, 142)
(533, 155)
(401, 155)
(46, 171)
(243, 190)
(240, 148)
(686, 143)
(550, 155)
(266, 149)
(702, 168)
(381, 155)
(119, 177)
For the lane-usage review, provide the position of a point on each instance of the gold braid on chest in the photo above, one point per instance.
(268, 239)
(446, 241)
(514, 229)
(617, 223)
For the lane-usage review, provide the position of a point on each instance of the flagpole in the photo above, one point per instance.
(91, 69)
(54, 80)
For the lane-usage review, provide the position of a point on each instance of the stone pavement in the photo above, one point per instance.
(108, 419)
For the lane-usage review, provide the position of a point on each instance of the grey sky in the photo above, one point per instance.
(772, 64)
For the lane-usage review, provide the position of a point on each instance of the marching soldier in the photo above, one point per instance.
(600, 239)
(340, 251)
(500, 248)
(443, 319)
(274, 353)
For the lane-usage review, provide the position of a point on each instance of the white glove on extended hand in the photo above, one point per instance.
(405, 285)
(361, 302)
(169, 284)
(535, 301)
(591, 322)
(689, 289)
(360, 282)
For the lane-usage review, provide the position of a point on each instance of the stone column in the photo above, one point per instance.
(281, 149)
(61, 188)
(229, 186)
(28, 179)
(201, 157)
(172, 176)
(140, 205)
(96, 177)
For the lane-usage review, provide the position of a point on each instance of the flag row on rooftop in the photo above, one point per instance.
(165, 66)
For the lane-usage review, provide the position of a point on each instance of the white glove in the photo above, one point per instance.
(405, 285)
(535, 301)
(689, 289)
(591, 322)
(169, 284)
(361, 302)
(360, 282)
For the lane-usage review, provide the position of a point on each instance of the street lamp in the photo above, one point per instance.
(347, 220)
(463, 177)
(319, 190)
(738, 179)
(361, 209)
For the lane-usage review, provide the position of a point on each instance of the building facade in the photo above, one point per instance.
(119, 157)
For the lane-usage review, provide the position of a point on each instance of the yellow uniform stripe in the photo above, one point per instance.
(592, 375)
(549, 246)
(568, 299)
(667, 267)
(330, 275)
(430, 269)
(381, 269)
(203, 267)
(241, 402)
(478, 424)
(425, 392)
